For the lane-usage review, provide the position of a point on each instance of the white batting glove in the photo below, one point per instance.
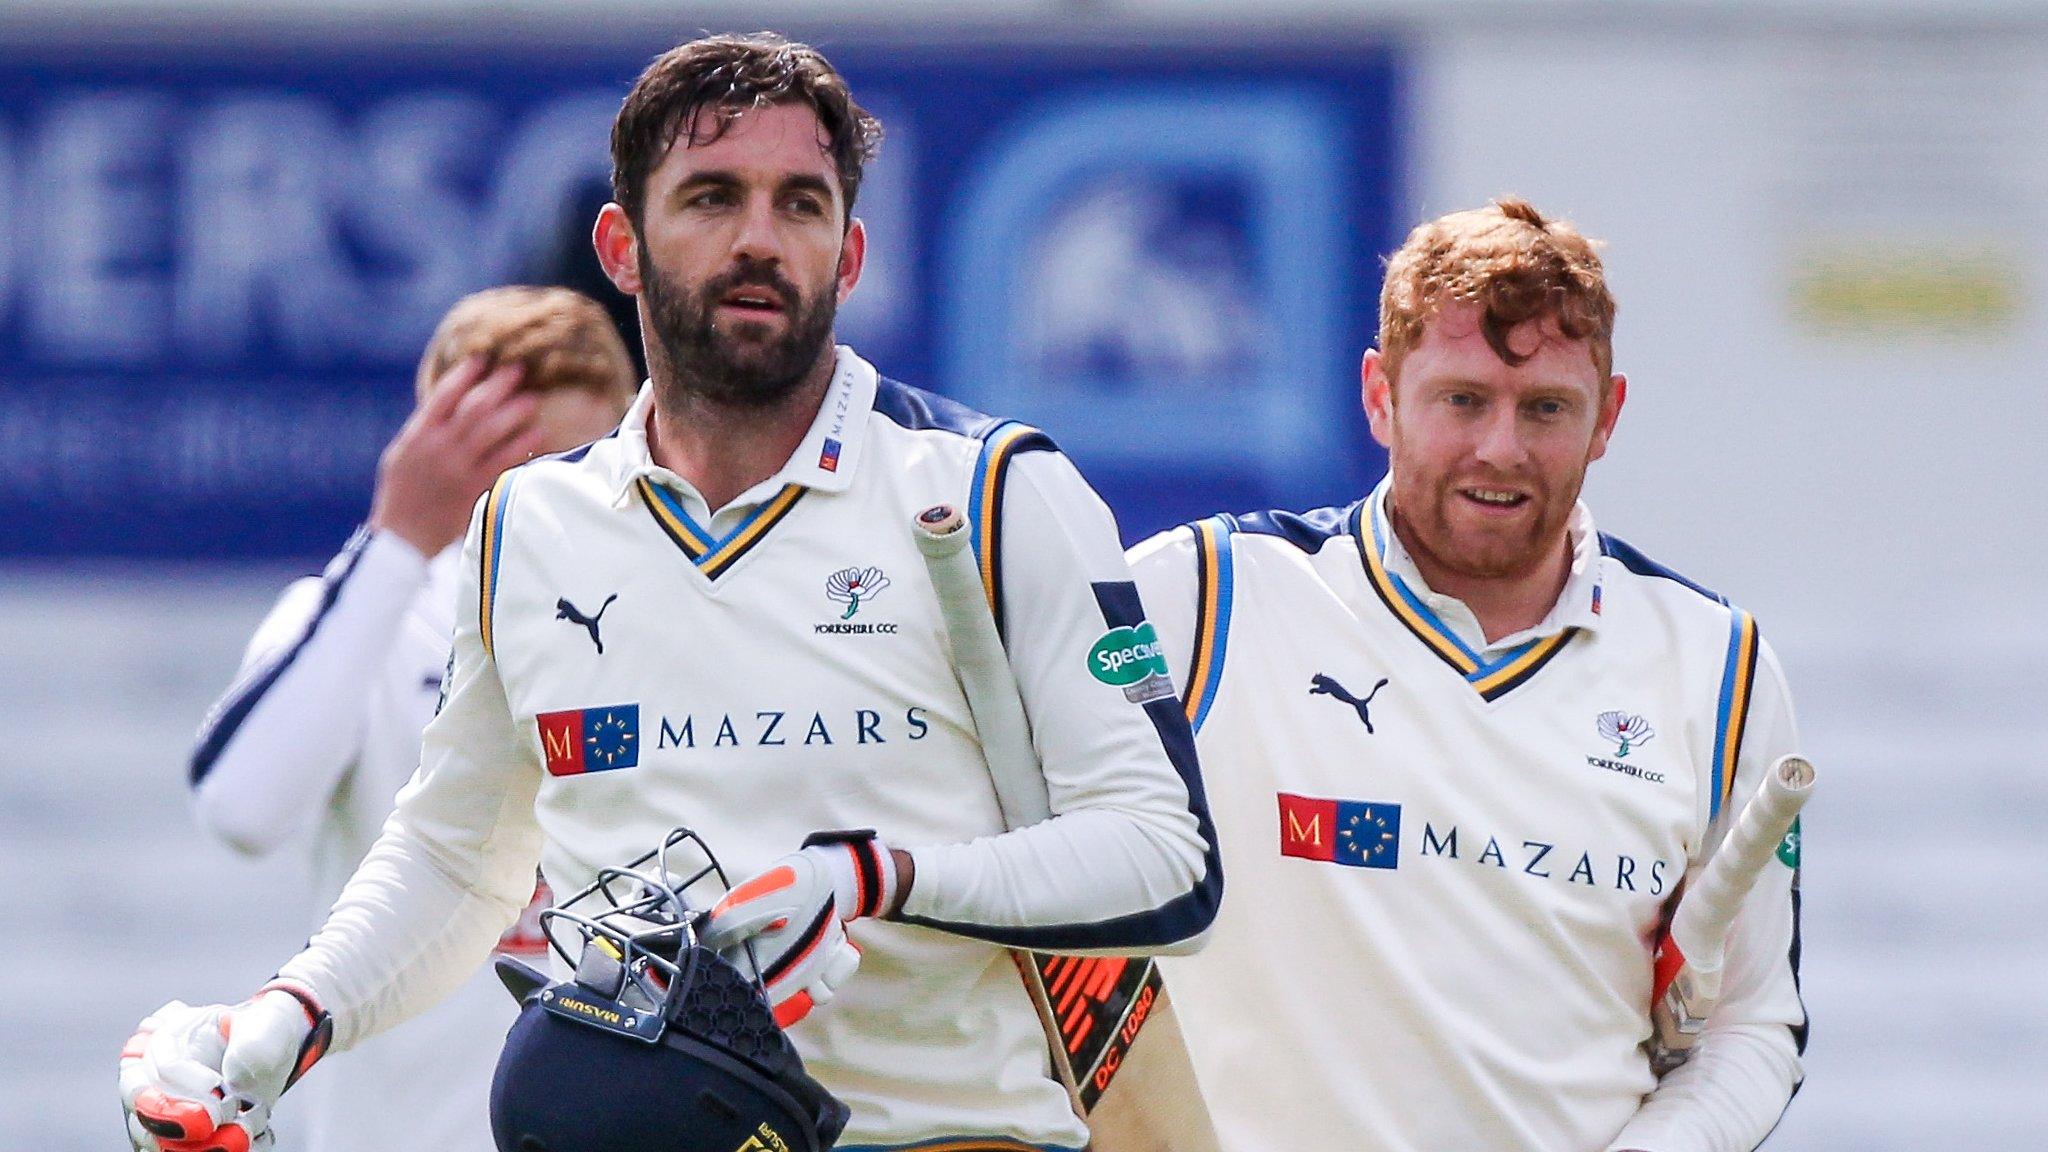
(205, 1079)
(794, 913)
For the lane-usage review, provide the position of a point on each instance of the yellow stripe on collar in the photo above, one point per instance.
(750, 533)
(1505, 678)
(1390, 591)
(679, 530)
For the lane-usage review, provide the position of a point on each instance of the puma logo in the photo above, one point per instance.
(1324, 685)
(574, 615)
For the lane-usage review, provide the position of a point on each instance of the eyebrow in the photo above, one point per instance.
(1539, 390)
(727, 178)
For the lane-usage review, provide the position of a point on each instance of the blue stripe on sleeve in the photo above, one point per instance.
(228, 716)
(1216, 579)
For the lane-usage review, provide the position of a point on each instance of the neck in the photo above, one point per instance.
(1503, 604)
(725, 449)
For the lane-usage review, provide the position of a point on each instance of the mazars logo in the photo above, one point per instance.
(1130, 659)
(582, 740)
(1549, 860)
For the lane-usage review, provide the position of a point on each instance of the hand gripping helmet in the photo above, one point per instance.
(656, 1044)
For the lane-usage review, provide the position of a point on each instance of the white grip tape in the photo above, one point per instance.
(1701, 923)
(983, 667)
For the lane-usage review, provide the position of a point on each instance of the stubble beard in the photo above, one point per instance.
(1474, 554)
(1437, 540)
(736, 365)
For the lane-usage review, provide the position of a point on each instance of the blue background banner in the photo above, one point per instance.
(217, 270)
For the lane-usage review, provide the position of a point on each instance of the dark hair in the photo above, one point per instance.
(724, 76)
(1511, 262)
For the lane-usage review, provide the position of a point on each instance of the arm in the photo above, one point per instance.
(1128, 861)
(454, 865)
(1730, 1094)
(450, 872)
(275, 746)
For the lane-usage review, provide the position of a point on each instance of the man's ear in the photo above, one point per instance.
(853, 257)
(618, 248)
(1376, 391)
(1616, 394)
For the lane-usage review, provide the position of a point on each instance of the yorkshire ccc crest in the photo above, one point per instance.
(1625, 729)
(854, 587)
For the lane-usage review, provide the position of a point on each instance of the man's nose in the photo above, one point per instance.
(758, 237)
(1500, 439)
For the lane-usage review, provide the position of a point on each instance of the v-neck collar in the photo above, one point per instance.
(1493, 671)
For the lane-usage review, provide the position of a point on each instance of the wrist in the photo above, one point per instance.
(308, 1003)
(906, 875)
(864, 871)
(420, 545)
(392, 551)
(298, 1003)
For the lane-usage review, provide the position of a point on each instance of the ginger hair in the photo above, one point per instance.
(564, 339)
(1510, 262)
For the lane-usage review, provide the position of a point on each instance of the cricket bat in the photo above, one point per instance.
(1114, 1041)
(1689, 957)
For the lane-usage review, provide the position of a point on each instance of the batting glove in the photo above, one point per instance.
(205, 1079)
(794, 917)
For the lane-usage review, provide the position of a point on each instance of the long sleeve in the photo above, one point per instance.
(1128, 863)
(275, 746)
(454, 865)
(1730, 1094)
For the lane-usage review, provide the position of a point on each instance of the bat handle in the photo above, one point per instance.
(983, 665)
(1687, 980)
(941, 531)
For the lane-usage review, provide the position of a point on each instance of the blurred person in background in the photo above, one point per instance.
(322, 725)
(661, 630)
(566, 258)
(1464, 748)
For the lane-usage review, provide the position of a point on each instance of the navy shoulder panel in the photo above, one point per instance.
(1642, 565)
(576, 454)
(917, 410)
(1308, 531)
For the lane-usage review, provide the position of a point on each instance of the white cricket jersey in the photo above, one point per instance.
(1450, 858)
(627, 662)
(308, 748)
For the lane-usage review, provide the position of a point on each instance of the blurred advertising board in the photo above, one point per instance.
(217, 266)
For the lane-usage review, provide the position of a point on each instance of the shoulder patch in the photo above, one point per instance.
(1633, 560)
(1308, 531)
(576, 454)
(917, 410)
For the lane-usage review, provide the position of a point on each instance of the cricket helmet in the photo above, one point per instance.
(656, 1043)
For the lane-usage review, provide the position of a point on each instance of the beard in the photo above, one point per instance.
(1442, 534)
(1486, 555)
(737, 364)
